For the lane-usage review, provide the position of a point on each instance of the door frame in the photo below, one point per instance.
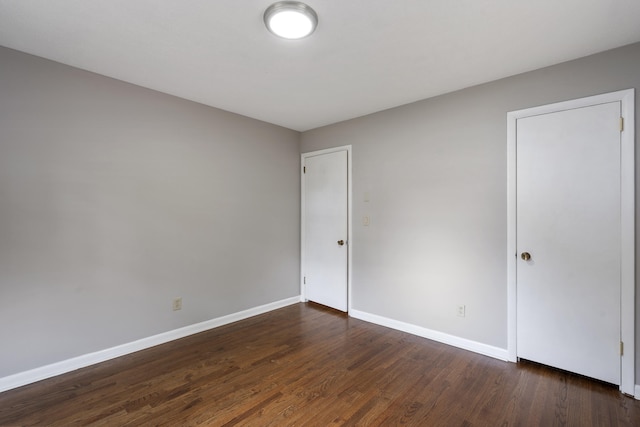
(303, 157)
(627, 223)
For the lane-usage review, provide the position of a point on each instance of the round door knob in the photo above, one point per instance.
(526, 256)
(341, 242)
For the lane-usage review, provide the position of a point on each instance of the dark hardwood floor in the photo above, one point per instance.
(308, 365)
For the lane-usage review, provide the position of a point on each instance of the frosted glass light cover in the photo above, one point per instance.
(290, 20)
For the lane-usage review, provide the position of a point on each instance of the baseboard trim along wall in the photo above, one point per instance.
(27, 377)
(476, 347)
(58, 368)
(465, 344)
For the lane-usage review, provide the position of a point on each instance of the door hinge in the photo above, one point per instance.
(304, 169)
(621, 124)
(304, 280)
(621, 348)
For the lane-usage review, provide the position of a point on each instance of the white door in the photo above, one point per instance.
(568, 222)
(325, 269)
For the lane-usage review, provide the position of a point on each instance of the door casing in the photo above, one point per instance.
(303, 156)
(627, 209)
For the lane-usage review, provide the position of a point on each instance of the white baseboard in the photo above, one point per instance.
(476, 347)
(48, 371)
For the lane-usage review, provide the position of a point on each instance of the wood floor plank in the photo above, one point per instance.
(308, 365)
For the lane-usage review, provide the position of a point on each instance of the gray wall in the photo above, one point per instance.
(115, 199)
(436, 172)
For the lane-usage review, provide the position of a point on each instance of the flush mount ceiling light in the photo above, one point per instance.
(290, 19)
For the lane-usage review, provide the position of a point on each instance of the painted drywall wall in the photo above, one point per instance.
(435, 173)
(115, 199)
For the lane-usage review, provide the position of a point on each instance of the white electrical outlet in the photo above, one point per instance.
(462, 310)
(177, 304)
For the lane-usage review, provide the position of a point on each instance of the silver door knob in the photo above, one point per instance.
(340, 242)
(526, 256)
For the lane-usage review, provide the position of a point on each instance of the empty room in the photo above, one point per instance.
(319, 213)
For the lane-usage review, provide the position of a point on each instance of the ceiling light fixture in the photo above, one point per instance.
(290, 19)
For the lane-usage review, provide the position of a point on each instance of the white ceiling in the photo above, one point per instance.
(365, 56)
